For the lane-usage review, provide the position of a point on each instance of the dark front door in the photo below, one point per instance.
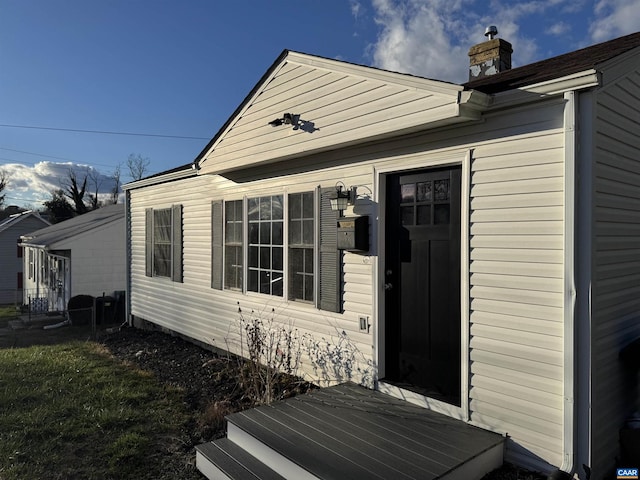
(422, 282)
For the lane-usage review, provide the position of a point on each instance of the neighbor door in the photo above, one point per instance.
(422, 282)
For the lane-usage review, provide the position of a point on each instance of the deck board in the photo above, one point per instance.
(351, 432)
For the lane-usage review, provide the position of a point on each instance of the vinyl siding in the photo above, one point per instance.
(335, 107)
(616, 266)
(516, 225)
(516, 279)
(211, 316)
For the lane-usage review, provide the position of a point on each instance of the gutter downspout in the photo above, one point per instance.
(570, 377)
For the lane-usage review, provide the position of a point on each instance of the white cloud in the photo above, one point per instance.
(431, 38)
(32, 185)
(557, 29)
(356, 9)
(614, 18)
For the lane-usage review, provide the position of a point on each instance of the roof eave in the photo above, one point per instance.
(576, 81)
(155, 180)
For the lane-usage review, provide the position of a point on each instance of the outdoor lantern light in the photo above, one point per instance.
(342, 197)
(286, 119)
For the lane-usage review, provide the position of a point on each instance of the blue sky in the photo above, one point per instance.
(179, 68)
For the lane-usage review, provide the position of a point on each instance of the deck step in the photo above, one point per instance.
(223, 459)
(351, 432)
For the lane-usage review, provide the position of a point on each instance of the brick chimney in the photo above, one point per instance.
(490, 57)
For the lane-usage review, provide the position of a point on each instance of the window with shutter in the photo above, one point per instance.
(163, 243)
(263, 246)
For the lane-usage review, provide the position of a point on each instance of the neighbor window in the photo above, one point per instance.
(163, 231)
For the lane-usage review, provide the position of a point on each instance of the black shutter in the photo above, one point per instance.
(217, 244)
(176, 243)
(148, 242)
(330, 297)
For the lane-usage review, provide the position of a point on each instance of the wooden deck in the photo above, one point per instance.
(348, 432)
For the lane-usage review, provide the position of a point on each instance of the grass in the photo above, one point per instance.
(7, 312)
(71, 411)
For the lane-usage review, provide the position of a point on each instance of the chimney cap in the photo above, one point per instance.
(491, 31)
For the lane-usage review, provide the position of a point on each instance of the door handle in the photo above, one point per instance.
(388, 286)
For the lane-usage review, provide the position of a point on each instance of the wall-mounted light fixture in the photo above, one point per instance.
(342, 198)
(286, 119)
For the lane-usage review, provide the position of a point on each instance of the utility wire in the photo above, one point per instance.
(101, 132)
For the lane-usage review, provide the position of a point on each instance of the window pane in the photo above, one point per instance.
(441, 188)
(265, 233)
(277, 235)
(295, 206)
(253, 257)
(406, 214)
(265, 208)
(308, 288)
(408, 192)
(265, 282)
(233, 267)
(277, 209)
(424, 192)
(307, 205)
(307, 235)
(253, 209)
(276, 284)
(308, 260)
(441, 214)
(252, 281)
(265, 257)
(254, 228)
(295, 232)
(276, 258)
(424, 214)
(162, 242)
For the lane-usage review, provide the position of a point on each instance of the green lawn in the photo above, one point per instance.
(7, 312)
(71, 411)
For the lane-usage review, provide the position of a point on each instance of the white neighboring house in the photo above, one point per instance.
(497, 278)
(11, 264)
(82, 255)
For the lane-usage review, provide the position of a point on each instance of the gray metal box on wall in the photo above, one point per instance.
(353, 234)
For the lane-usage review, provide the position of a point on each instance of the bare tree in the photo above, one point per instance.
(96, 181)
(76, 193)
(137, 166)
(4, 179)
(115, 191)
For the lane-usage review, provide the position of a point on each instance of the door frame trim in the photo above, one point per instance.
(462, 159)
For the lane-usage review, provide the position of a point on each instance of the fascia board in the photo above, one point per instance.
(576, 81)
(407, 80)
(169, 177)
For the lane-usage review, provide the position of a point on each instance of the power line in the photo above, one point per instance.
(102, 132)
(36, 154)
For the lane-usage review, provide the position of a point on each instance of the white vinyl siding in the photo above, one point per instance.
(516, 225)
(335, 107)
(209, 315)
(616, 264)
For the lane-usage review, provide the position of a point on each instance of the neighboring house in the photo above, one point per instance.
(82, 255)
(11, 272)
(497, 275)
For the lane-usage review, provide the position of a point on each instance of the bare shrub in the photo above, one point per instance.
(267, 350)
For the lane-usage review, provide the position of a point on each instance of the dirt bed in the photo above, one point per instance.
(209, 381)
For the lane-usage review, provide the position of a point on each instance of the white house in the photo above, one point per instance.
(487, 265)
(84, 255)
(11, 272)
